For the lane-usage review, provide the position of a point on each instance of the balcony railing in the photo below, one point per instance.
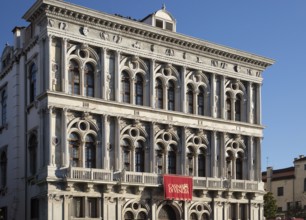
(90, 174)
(152, 179)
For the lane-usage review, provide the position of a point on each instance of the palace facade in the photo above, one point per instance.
(97, 110)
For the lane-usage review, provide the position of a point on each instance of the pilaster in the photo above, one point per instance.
(213, 113)
(65, 146)
(183, 89)
(222, 98)
(64, 66)
(117, 76)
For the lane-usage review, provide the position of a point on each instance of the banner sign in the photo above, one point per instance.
(178, 187)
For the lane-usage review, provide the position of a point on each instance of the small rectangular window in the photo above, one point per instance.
(169, 26)
(92, 207)
(159, 23)
(34, 209)
(280, 191)
(78, 207)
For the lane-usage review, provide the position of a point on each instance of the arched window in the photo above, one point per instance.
(201, 163)
(142, 216)
(171, 96)
(139, 90)
(205, 216)
(160, 159)
(3, 106)
(128, 216)
(193, 216)
(90, 152)
(190, 161)
(125, 87)
(228, 107)
(189, 99)
(127, 157)
(74, 78)
(159, 94)
(75, 151)
(201, 101)
(33, 154)
(89, 80)
(171, 161)
(167, 213)
(238, 108)
(139, 157)
(239, 168)
(3, 169)
(33, 75)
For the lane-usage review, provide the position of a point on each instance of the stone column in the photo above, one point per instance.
(222, 98)
(195, 102)
(103, 73)
(183, 152)
(118, 157)
(151, 147)
(258, 104)
(48, 134)
(64, 66)
(249, 105)
(233, 110)
(165, 98)
(48, 69)
(65, 146)
(152, 84)
(212, 96)
(183, 89)
(250, 159)
(222, 155)
(117, 77)
(214, 158)
(105, 142)
(258, 160)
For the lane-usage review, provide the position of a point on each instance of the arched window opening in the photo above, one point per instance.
(89, 80)
(189, 99)
(205, 216)
(127, 157)
(172, 161)
(228, 107)
(201, 101)
(229, 158)
(3, 170)
(142, 216)
(128, 216)
(167, 213)
(74, 78)
(90, 152)
(33, 75)
(160, 161)
(193, 216)
(125, 90)
(238, 108)
(171, 96)
(3, 107)
(159, 94)
(139, 90)
(33, 154)
(201, 164)
(139, 157)
(239, 167)
(75, 151)
(190, 161)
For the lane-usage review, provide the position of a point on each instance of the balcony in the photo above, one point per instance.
(89, 174)
(137, 178)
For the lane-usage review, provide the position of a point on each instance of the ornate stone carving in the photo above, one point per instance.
(117, 39)
(85, 31)
(136, 45)
(51, 22)
(169, 52)
(104, 35)
(63, 26)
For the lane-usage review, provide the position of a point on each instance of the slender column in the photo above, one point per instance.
(103, 72)
(213, 146)
(222, 155)
(233, 110)
(48, 69)
(64, 138)
(258, 104)
(212, 96)
(117, 77)
(183, 90)
(258, 159)
(118, 158)
(165, 94)
(152, 84)
(222, 98)
(48, 133)
(132, 90)
(250, 159)
(249, 107)
(64, 66)
(105, 142)
(183, 154)
(152, 151)
(195, 102)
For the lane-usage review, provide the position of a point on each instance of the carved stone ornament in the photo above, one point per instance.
(184, 55)
(117, 39)
(199, 60)
(237, 68)
(63, 26)
(136, 45)
(51, 22)
(104, 35)
(152, 47)
(85, 31)
(169, 52)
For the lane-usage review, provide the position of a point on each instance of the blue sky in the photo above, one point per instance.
(275, 29)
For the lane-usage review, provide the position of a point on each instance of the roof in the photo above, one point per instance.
(280, 174)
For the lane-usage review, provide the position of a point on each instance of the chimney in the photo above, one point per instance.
(17, 31)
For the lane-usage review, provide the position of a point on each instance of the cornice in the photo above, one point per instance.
(126, 26)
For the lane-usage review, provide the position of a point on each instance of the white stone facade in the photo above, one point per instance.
(96, 108)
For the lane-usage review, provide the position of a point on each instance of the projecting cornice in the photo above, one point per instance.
(98, 19)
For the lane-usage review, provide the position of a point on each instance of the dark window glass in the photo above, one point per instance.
(78, 207)
(159, 161)
(139, 158)
(142, 216)
(280, 191)
(171, 96)
(33, 153)
(3, 107)
(201, 101)
(34, 209)
(190, 99)
(171, 162)
(139, 90)
(75, 154)
(3, 213)
(33, 73)
(169, 26)
(90, 152)
(128, 216)
(239, 168)
(74, 78)
(126, 157)
(89, 80)
(159, 23)
(92, 207)
(238, 108)
(125, 83)
(159, 94)
(3, 169)
(228, 107)
(201, 164)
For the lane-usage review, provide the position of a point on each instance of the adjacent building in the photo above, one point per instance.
(288, 186)
(99, 112)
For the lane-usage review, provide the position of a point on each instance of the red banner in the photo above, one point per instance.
(178, 187)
